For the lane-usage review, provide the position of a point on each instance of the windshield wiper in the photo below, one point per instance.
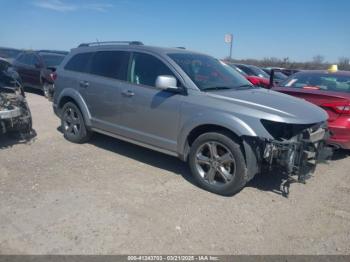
(245, 86)
(216, 88)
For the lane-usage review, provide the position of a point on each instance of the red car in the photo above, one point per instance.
(253, 74)
(329, 90)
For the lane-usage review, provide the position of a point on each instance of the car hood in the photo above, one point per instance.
(270, 105)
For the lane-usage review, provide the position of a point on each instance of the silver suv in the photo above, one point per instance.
(188, 105)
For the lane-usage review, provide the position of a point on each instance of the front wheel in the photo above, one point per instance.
(218, 164)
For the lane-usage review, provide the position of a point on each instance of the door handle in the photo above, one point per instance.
(84, 84)
(128, 93)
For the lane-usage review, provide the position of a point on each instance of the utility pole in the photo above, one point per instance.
(229, 40)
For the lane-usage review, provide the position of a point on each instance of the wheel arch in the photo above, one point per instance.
(71, 95)
(212, 121)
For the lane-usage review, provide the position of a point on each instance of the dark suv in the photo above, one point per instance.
(36, 68)
(188, 105)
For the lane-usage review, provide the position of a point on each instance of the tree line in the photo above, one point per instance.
(317, 63)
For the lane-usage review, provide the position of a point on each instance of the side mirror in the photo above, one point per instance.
(166, 82)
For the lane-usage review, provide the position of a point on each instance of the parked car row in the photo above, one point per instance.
(36, 68)
(258, 76)
(329, 89)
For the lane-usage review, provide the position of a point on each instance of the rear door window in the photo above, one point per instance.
(79, 62)
(112, 64)
(52, 60)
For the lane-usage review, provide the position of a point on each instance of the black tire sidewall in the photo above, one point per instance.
(84, 134)
(240, 178)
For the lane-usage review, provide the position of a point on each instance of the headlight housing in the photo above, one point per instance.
(284, 131)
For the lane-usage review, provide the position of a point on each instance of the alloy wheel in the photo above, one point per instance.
(215, 163)
(71, 122)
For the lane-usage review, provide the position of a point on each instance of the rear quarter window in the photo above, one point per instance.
(79, 63)
(52, 60)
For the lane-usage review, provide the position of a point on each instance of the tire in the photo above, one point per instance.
(48, 90)
(217, 164)
(73, 124)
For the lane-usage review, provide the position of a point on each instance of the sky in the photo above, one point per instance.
(298, 29)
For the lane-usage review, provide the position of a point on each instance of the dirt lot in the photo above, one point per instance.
(108, 197)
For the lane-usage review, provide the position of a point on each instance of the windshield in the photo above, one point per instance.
(52, 60)
(9, 53)
(209, 73)
(319, 81)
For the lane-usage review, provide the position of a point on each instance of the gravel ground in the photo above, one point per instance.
(110, 197)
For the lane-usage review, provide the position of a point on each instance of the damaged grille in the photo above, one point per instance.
(295, 147)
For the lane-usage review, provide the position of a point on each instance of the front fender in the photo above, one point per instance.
(228, 121)
(78, 99)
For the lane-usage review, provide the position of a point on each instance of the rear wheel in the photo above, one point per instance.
(73, 124)
(48, 90)
(218, 164)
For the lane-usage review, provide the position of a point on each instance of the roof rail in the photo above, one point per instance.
(111, 43)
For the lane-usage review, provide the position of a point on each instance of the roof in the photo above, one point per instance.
(153, 49)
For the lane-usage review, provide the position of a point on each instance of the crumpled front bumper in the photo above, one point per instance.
(10, 113)
(299, 155)
(16, 118)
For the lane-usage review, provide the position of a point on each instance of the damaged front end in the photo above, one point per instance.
(14, 111)
(294, 150)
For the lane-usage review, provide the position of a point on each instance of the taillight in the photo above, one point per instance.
(53, 76)
(339, 107)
